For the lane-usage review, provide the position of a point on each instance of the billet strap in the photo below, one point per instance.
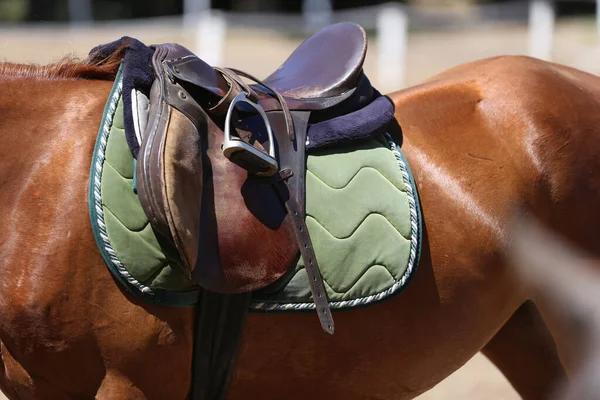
(307, 251)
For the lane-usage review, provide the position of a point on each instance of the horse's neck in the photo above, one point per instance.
(47, 134)
(46, 124)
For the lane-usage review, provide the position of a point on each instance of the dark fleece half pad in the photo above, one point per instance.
(366, 123)
(137, 73)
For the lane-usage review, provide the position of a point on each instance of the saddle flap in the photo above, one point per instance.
(209, 207)
(170, 159)
(182, 169)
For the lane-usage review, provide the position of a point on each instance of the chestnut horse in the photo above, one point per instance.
(481, 139)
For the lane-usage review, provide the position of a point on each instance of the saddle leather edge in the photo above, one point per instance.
(157, 178)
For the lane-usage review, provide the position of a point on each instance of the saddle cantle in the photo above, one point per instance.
(323, 69)
(205, 203)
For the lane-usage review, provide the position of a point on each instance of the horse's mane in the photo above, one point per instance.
(68, 67)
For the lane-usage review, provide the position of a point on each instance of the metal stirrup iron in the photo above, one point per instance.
(253, 160)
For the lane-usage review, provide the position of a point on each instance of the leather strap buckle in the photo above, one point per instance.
(243, 154)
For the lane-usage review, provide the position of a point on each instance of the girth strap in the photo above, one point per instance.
(219, 328)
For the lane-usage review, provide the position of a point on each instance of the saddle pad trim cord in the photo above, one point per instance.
(158, 296)
(414, 254)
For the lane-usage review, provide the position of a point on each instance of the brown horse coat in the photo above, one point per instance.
(481, 139)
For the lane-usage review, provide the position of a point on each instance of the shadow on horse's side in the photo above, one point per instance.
(482, 139)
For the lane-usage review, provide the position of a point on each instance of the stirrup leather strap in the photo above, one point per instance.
(237, 85)
(307, 251)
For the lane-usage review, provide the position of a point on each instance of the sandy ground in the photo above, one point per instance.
(261, 51)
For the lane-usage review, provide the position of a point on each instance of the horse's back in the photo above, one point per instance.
(516, 87)
(536, 121)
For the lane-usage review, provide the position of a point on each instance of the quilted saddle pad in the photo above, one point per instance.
(364, 219)
(362, 209)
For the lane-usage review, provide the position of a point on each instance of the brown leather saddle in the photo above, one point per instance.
(221, 165)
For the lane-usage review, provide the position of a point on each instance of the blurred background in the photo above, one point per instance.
(409, 41)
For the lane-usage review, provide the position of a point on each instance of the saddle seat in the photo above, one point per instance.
(328, 64)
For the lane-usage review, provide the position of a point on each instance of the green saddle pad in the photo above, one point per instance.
(362, 215)
(364, 220)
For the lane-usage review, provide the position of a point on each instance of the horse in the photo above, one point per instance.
(481, 138)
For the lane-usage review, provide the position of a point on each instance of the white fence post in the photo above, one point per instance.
(392, 40)
(317, 14)
(208, 28)
(541, 28)
(80, 11)
(598, 17)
